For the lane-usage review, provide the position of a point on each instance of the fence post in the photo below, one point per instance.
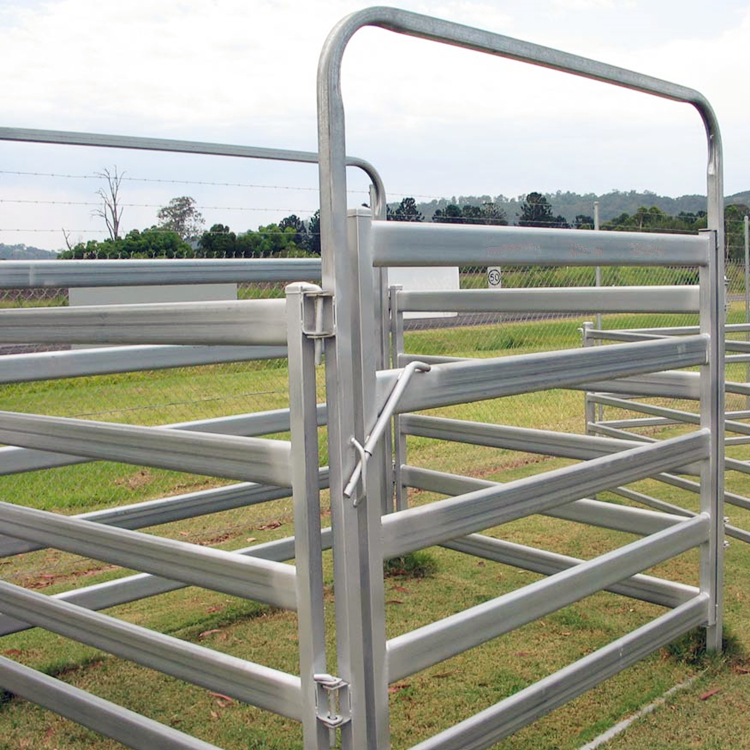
(307, 532)
(713, 314)
(747, 297)
(397, 344)
(589, 406)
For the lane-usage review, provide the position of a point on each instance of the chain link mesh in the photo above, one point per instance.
(193, 393)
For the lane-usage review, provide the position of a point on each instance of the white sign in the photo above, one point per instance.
(429, 278)
(494, 277)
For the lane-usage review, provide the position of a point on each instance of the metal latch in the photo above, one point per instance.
(332, 701)
(365, 451)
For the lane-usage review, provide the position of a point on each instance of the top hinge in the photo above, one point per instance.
(332, 700)
(318, 316)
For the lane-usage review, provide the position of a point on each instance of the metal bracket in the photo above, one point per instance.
(332, 700)
(318, 317)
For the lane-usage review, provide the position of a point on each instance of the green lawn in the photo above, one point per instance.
(425, 703)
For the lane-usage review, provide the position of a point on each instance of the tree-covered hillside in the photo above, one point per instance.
(570, 205)
(24, 252)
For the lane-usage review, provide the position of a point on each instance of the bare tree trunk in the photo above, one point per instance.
(111, 210)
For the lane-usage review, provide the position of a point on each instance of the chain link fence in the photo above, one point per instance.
(164, 397)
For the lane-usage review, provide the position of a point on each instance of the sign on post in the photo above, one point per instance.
(494, 277)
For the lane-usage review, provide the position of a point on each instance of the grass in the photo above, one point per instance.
(419, 588)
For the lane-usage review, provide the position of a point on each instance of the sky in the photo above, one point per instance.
(435, 121)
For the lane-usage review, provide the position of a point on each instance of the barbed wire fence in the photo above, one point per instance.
(188, 394)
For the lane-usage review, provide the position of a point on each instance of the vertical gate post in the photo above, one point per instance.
(308, 551)
(306, 492)
(399, 441)
(713, 314)
(588, 404)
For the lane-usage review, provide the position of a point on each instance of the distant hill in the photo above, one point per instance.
(24, 252)
(570, 205)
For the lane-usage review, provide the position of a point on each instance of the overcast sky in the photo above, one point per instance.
(436, 121)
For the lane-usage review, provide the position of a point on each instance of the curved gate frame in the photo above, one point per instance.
(350, 374)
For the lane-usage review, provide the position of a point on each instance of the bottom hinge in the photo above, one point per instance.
(332, 700)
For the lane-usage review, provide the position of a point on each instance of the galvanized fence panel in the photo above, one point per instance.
(476, 370)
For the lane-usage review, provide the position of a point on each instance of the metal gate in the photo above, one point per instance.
(362, 538)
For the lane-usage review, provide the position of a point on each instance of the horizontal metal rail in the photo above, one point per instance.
(104, 140)
(252, 322)
(669, 384)
(664, 384)
(170, 509)
(25, 368)
(639, 422)
(586, 511)
(736, 440)
(132, 729)
(663, 299)
(593, 333)
(474, 380)
(591, 512)
(733, 464)
(691, 486)
(675, 416)
(228, 572)
(730, 345)
(226, 456)
(17, 460)
(642, 587)
(416, 528)
(239, 679)
(398, 243)
(488, 727)
(31, 274)
(144, 585)
(438, 641)
(666, 507)
(524, 439)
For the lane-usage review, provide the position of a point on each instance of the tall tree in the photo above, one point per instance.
(301, 236)
(182, 216)
(313, 233)
(536, 211)
(491, 213)
(405, 211)
(218, 242)
(451, 214)
(110, 209)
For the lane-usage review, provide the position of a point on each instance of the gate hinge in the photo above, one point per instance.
(332, 700)
(318, 316)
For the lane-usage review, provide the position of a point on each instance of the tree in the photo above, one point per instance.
(405, 211)
(181, 215)
(734, 230)
(451, 214)
(110, 210)
(583, 221)
(301, 235)
(218, 242)
(537, 212)
(313, 233)
(150, 243)
(491, 213)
